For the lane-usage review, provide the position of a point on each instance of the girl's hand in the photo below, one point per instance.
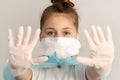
(20, 51)
(102, 51)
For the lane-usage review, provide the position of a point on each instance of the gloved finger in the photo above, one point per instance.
(39, 60)
(10, 38)
(85, 60)
(19, 36)
(89, 40)
(109, 35)
(35, 38)
(100, 34)
(95, 35)
(27, 36)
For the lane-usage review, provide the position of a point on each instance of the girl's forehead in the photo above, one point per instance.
(60, 21)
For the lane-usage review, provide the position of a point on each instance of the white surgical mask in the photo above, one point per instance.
(62, 47)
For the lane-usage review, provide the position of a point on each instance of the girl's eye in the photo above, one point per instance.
(50, 33)
(66, 33)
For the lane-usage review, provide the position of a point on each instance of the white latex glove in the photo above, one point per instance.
(20, 51)
(102, 51)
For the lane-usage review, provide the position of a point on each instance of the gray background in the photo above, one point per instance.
(14, 13)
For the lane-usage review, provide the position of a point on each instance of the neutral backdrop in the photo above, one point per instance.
(14, 13)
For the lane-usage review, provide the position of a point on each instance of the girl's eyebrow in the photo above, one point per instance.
(50, 28)
(67, 28)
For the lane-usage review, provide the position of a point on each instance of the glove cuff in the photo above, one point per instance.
(18, 71)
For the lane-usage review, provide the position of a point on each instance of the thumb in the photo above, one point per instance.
(85, 60)
(39, 60)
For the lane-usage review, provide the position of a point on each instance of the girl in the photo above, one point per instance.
(59, 47)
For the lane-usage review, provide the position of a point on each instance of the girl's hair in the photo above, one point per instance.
(61, 7)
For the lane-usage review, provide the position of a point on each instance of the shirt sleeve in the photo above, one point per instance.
(7, 75)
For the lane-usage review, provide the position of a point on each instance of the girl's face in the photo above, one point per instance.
(59, 25)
